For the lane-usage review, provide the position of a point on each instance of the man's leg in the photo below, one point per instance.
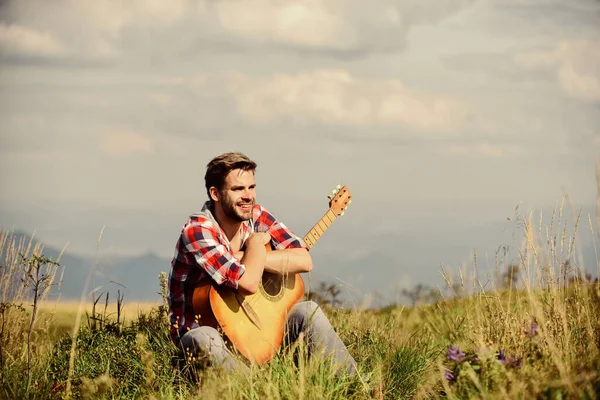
(205, 342)
(308, 317)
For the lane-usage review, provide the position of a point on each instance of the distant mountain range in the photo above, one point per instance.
(384, 265)
(135, 277)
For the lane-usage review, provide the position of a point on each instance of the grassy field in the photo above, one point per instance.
(59, 316)
(538, 339)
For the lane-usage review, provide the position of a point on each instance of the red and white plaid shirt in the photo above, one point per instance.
(203, 251)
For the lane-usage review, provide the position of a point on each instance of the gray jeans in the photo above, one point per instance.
(305, 317)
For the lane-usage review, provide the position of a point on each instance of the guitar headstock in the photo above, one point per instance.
(340, 197)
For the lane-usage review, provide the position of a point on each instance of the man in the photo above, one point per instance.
(226, 242)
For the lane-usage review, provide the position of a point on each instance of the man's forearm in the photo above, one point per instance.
(285, 261)
(288, 261)
(254, 259)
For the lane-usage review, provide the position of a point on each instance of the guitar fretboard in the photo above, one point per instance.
(319, 228)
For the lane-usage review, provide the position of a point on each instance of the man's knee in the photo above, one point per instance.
(311, 306)
(306, 314)
(203, 339)
(305, 308)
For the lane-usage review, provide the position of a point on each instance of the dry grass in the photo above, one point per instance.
(63, 314)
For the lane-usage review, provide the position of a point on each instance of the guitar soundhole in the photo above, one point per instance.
(271, 285)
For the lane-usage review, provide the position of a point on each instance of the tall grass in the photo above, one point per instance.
(537, 336)
(26, 276)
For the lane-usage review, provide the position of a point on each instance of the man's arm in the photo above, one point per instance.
(224, 267)
(289, 261)
(254, 259)
(290, 254)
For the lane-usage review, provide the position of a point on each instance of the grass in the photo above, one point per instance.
(536, 338)
(60, 316)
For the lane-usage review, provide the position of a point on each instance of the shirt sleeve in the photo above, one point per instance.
(202, 242)
(281, 236)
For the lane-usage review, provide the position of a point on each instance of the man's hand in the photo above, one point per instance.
(258, 237)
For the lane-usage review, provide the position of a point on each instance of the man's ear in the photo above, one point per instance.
(214, 193)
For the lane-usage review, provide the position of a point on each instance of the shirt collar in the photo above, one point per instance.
(247, 226)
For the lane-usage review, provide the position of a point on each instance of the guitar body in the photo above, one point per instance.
(219, 306)
(255, 324)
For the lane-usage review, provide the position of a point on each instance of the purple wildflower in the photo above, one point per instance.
(502, 357)
(449, 376)
(455, 354)
(510, 361)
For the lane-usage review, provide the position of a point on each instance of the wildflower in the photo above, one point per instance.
(449, 376)
(510, 361)
(502, 357)
(455, 354)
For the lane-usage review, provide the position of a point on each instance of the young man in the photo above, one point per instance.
(226, 242)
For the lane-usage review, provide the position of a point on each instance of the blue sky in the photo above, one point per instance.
(441, 117)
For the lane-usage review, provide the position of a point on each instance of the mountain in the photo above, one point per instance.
(378, 265)
(135, 277)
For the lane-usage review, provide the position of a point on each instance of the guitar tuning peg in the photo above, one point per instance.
(338, 187)
(349, 201)
(333, 191)
(342, 213)
(329, 196)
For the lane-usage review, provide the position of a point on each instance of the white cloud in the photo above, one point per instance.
(576, 64)
(17, 40)
(308, 23)
(336, 97)
(335, 25)
(113, 30)
(117, 142)
(90, 30)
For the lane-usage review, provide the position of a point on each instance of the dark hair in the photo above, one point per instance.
(219, 167)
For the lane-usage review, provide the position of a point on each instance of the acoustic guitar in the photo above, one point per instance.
(254, 324)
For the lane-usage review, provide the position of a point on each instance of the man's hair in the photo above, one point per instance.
(219, 167)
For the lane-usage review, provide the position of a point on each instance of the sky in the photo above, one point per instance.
(440, 117)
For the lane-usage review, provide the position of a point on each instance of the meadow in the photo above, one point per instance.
(533, 335)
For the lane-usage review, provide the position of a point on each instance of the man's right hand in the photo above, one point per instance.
(261, 238)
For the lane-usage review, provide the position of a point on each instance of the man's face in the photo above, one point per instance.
(238, 195)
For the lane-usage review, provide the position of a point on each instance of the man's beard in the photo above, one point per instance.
(231, 211)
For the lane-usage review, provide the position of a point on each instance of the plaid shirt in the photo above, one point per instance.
(204, 252)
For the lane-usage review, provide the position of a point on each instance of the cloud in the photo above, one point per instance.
(575, 63)
(339, 25)
(119, 143)
(19, 41)
(111, 31)
(89, 31)
(336, 97)
(309, 23)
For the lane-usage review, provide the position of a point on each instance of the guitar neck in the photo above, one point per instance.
(319, 228)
